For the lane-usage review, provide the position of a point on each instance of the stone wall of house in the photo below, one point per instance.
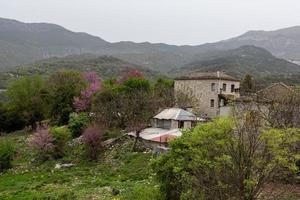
(187, 125)
(174, 124)
(202, 91)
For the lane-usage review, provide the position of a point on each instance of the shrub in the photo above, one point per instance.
(92, 138)
(61, 135)
(6, 154)
(77, 123)
(41, 144)
(10, 119)
(219, 160)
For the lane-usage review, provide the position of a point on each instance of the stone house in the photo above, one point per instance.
(276, 92)
(212, 91)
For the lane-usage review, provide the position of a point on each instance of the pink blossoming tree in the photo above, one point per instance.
(41, 143)
(83, 102)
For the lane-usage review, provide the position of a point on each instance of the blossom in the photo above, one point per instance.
(83, 102)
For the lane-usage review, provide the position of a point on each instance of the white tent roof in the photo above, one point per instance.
(176, 114)
(153, 133)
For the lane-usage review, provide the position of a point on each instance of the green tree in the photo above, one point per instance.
(164, 91)
(10, 120)
(25, 98)
(61, 89)
(247, 84)
(127, 106)
(78, 122)
(222, 160)
(61, 136)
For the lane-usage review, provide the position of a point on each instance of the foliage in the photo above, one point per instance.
(25, 97)
(62, 88)
(164, 91)
(7, 151)
(135, 84)
(83, 102)
(92, 138)
(42, 144)
(10, 119)
(247, 84)
(131, 74)
(77, 123)
(120, 175)
(218, 160)
(61, 135)
(112, 133)
(126, 106)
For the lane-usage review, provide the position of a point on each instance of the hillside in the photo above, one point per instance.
(283, 43)
(119, 174)
(24, 43)
(243, 60)
(105, 66)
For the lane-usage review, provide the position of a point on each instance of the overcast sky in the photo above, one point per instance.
(167, 21)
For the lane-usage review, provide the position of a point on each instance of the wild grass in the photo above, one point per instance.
(119, 174)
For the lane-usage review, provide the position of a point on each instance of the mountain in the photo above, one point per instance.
(240, 61)
(283, 43)
(105, 66)
(24, 43)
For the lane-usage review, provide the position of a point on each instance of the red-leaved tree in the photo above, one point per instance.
(92, 138)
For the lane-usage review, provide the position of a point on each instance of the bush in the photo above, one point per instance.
(61, 135)
(219, 160)
(92, 138)
(10, 119)
(42, 144)
(77, 123)
(112, 133)
(6, 154)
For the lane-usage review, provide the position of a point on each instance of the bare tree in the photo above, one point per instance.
(185, 99)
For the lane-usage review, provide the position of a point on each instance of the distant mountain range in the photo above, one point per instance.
(240, 61)
(25, 43)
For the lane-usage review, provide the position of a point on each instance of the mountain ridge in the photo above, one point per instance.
(24, 43)
(243, 60)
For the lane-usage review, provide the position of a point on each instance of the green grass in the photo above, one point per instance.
(119, 174)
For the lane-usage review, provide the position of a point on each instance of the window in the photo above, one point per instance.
(232, 88)
(212, 103)
(213, 87)
(224, 87)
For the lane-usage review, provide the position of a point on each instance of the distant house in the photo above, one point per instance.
(276, 92)
(212, 90)
(174, 118)
(167, 125)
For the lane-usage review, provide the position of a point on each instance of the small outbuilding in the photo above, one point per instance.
(174, 118)
(167, 126)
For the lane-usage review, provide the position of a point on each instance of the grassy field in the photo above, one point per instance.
(119, 174)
